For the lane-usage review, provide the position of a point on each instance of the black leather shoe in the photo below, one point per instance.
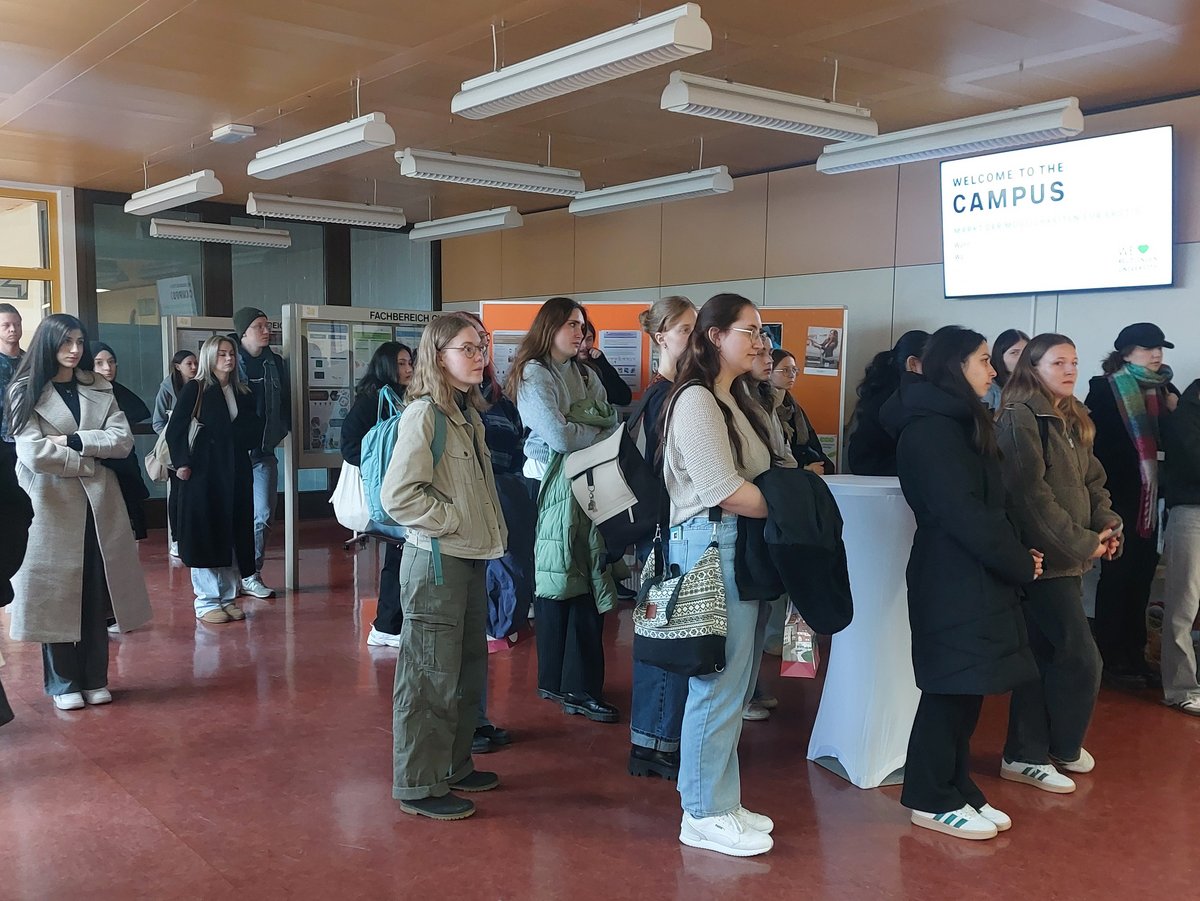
(551, 695)
(494, 734)
(649, 762)
(478, 781)
(480, 744)
(596, 711)
(1123, 678)
(447, 807)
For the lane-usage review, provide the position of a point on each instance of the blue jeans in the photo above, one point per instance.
(656, 715)
(214, 588)
(709, 781)
(266, 491)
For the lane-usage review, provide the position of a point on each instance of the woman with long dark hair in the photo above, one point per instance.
(964, 576)
(1058, 501)
(82, 560)
(391, 366)
(590, 355)
(870, 448)
(216, 489)
(565, 408)
(183, 370)
(129, 469)
(1128, 403)
(1006, 350)
(715, 444)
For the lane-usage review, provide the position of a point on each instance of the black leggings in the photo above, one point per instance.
(937, 776)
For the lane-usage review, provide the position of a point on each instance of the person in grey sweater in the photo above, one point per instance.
(545, 382)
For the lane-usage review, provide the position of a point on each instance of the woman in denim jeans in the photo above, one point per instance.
(711, 461)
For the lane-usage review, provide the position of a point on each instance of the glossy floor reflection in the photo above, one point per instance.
(252, 761)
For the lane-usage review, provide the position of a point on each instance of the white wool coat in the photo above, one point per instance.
(62, 483)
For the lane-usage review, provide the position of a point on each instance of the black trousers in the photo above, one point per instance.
(570, 645)
(8, 455)
(1121, 599)
(1050, 715)
(6, 713)
(937, 774)
(389, 617)
(83, 665)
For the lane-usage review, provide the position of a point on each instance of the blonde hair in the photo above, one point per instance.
(1024, 383)
(206, 360)
(662, 315)
(429, 378)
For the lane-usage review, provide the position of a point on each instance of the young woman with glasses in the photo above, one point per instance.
(798, 431)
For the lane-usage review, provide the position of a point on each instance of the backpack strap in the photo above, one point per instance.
(1043, 425)
(439, 449)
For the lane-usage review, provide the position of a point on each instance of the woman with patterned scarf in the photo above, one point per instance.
(1127, 404)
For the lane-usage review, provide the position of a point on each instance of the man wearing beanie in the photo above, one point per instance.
(266, 374)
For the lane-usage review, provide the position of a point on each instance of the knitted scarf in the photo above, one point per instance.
(1140, 401)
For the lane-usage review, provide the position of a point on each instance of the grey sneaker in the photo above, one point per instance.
(253, 586)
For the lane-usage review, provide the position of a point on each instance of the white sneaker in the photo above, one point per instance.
(253, 586)
(72, 700)
(377, 639)
(1039, 775)
(756, 821)
(1191, 706)
(755, 711)
(1084, 763)
(98, 696)
(173, 550)
(724, 834)
(114, 629)
(998, 818)
(966, 822)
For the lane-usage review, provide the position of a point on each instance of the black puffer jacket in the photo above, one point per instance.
(1181, 434)
(966, 566)
(871, 448)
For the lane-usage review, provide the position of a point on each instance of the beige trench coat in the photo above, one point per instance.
(60, 482)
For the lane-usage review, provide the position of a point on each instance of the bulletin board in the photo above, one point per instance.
(618, 334)
(189, 332)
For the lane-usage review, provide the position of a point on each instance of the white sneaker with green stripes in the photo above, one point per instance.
(1039, 775)
(966, 822)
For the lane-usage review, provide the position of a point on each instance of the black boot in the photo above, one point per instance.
(596, 711)
(651, 762)
(447, 807)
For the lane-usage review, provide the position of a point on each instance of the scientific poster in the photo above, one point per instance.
(367, 339)
(775, 330)
(410, 336)
(504, 351)
(823, 351)
(328, 355)
(326, 411)
(623, 348)
(192, 338)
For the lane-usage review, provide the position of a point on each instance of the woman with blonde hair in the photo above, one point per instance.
(215, 513)
(1058, 501)
(441, 488)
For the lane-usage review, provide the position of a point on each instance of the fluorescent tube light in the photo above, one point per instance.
(210, 233)
(991, 131)
(715, 98)
(473, 170)
(653, 41)
(232, 133)
(338, 142)
(369, 215)
(700, 183)
(467, 224)
(180, 192)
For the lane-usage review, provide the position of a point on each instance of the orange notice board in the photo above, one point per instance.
(618, 334)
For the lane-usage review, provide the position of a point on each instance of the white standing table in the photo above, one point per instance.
(870, 695)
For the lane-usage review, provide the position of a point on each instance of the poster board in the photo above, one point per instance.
(618, 334)
(189, 332)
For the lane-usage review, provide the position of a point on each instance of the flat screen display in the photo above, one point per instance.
(1079, 215)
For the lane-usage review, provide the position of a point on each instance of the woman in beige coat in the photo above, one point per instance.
(81, 555)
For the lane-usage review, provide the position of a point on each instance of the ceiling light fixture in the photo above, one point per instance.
(653, 41)
(337, 142)
(467, 224)
(715, 98)
(232, 133)
(991, 131)
(179, 192)
(700, 183)
(367, 215)
(485, 173)
(210, 233)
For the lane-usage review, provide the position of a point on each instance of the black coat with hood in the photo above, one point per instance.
(967, 563)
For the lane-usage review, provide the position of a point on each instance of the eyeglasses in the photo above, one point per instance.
(757, 335)
(789, 371)
(470, 351)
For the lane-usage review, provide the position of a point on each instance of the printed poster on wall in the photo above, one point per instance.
(504, 351)
(327, 410)
(410, 337)
(176, 296)
(328, 355)
(775, 331)
(623, 348)
(829, 444)
(367, 339)
(823, 351)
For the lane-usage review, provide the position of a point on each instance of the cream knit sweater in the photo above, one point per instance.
(699, 464)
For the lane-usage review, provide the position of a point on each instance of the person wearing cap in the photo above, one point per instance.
(1128, 403)
(266, 374)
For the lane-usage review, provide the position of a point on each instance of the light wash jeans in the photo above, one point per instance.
(1181, 600)
(214, 588)
(266, 493)
(709, 781)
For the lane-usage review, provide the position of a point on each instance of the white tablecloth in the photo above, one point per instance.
(870, 696)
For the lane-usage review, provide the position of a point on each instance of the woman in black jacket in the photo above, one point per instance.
(618, 391)
(128, 469)
(1181, 600)
(216, 491)
(798, 431)
(968, 634)
(1128, 404)
(870, 448)
(391, 366)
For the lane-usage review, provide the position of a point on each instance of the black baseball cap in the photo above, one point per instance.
(1142, 334)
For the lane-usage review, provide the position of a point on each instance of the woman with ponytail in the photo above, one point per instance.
(870, 450)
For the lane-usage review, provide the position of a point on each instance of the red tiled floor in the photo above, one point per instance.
(253, 761)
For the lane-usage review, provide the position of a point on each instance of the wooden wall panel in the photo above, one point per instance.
(713, 239)
(919, 223)
(618, 250)
(539, 257)
(830, 223)
(471, 268)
